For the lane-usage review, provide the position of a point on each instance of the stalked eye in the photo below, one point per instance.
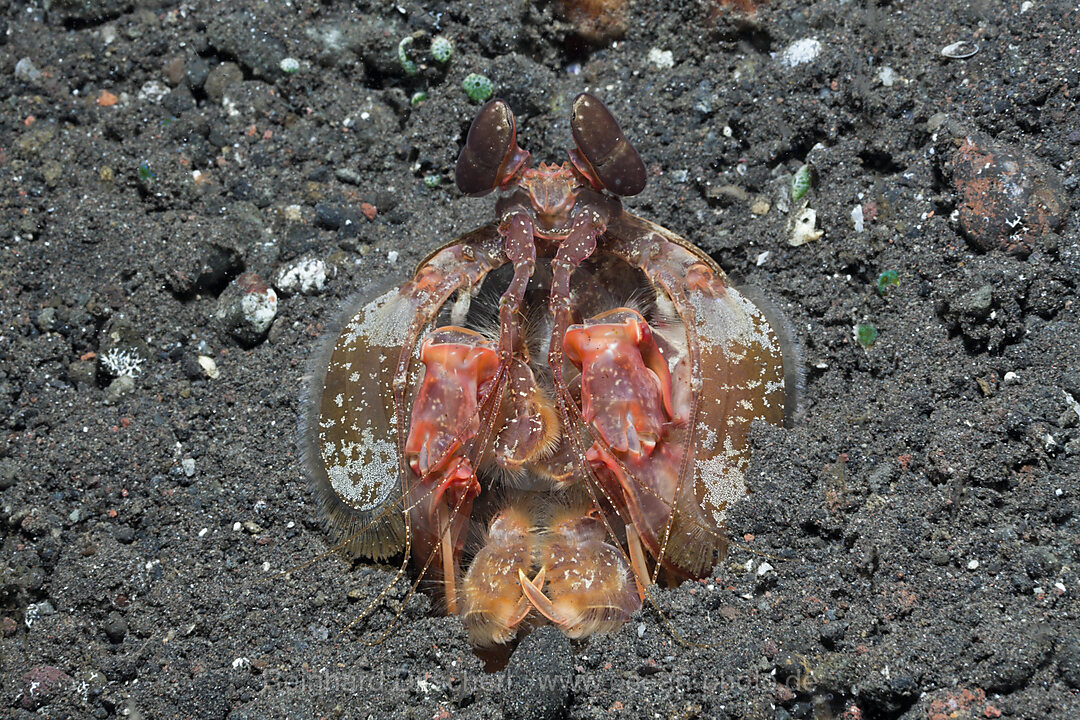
(491, 155)
(600, 142)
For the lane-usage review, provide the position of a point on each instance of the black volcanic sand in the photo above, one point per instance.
(909, 550)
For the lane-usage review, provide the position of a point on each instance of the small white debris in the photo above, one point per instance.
(188, 466)
(209, 367)
(391, 257)
(291, 213)
(763, 568)
(1026, 5)
(661, 59)
(1059, 586)
(236, 526)
(35, 611)
(801, 52)
(803, 230)
(1059, 492)
(1072, 403)
(762, 258)
(202, 533)
(240, 662)
(108, 34)
(122, 362)
(266, 566)
(260, 309)
(1011, 378)
(289, 65)
(973, 565)
(290, 525)
(887, 76)
(857, 218)
(153, 91)
(306, 276)
(641, 630)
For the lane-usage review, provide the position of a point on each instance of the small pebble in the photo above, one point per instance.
(41, 685)
(26, 71)
(661, 59)
(247, 308)
(973, 565)
(46, 319)
(1008, 198)
(153, 91)
(118, 388)
(174, 71)
(188, 465)
(221, 78)
(115, 628)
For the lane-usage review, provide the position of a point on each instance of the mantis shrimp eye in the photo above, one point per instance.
(606, 151)
(491, 155)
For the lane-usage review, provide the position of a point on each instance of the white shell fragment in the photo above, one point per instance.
(960, 50)
(857, 218)
(209, 367)
(803, 229)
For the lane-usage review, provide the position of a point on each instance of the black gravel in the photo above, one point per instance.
(909, 549)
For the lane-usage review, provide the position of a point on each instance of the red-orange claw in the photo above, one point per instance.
(625, 382)
(458, 363)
